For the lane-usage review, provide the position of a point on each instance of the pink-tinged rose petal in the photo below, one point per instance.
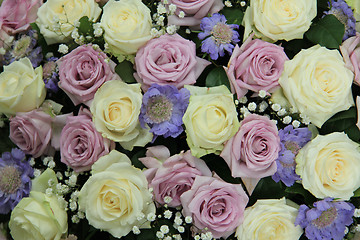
(358, 111)
(350, 50)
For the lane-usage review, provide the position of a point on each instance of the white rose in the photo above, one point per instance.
(279, 20)
(329, 166)
(22, 88)
(38, 217)
(127, 25)
(271, 219)
(56, 18)
(317, 83)
(116, 195)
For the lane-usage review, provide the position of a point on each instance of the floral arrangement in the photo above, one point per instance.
(179, 119)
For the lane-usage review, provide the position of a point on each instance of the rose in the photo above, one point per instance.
(127, 25)
(171, 176)
(22, 87)
(80, 144)
(56, 18)
(256, 65)
(38, 216)
(254, 148)
(350, 50)
(274, 20)
(115, 195)
(168, 60)
(329, 166)
(16, 16)
(270, 219)
(214, 204)
(317, 83)
(115, 109)
(83, 71)
(210, 119)
(194, 10)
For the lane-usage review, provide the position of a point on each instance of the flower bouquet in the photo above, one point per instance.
(179, 119)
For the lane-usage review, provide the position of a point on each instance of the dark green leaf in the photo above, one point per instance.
(125, 70)
(233, 15)
(146, 234)
(357, 193)
(85, 27)
(297, 188)
(327, 32)
(135, 159)
(218, 165)
(217, 77)
(5, 144)
(267, 189)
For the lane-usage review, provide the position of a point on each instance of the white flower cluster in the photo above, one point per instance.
(163, 11)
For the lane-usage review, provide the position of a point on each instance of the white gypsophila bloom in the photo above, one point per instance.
(172, 8)
(167, 214)
(274, 121)
(59, 175)
(51, 164)
(151, 217)
(167, 199)
(276, 107)
(167, 238)
(81, 214)
(242, 3)
(140, 217)
(177, 237)
(136, 230)
(281, 112)
(262, 106)
(178, 220)
(181, 14)
(188, 31)
(32, 162)
(75, 219)
(262, 93)
(171, 29)
(228, 3)
(188, 219)
(243, 100)
(63, 49)
(197, 237)
(252, 106)
(181, 229)
(75, 34)
(161, 9)
(159, 234)
(98, 32)
(49, 191)
(37, 172)
(296, 124)
(357, 212)
(164, 229)
(73, 205)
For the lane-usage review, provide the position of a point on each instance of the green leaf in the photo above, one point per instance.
(327, 32)
(217, 77)
(297, 188)
(357, 193)
(85, 27)
(125, 70)
(233, 15)
(135, 158)
(267, 189)
(218, 165)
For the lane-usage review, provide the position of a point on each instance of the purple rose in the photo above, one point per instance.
(256, 65)
(32, 132)
(83, 71)
(168, 60)
(80, 144)
(214, 204)
(174, 176)
(350, 49)
(254, 148)
(194, 11)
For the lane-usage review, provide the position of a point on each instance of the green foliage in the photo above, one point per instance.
(6, 144)
(327, 32)
(41, 41)
(298, 190)
(125, 70)
(217, 77)
(85, 27)
(233, 15)
(357, 193)
(267, 189)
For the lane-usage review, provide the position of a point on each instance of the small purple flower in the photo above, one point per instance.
(327, 220)
(343, 12)
(163, 108)
(24, 46)
(218, 36)
(50, 74)
(15, 182)
(291, 141)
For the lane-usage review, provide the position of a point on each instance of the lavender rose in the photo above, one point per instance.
(83, 71)
(80, 144)
(194, 11)
(214, 204)
(256, 65)
(350, 50)
(168, 60)
(32, 132)
(254, 148)
(171, 176)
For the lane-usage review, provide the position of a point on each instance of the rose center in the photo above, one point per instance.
(159, 108)
(10, 179)
(326, 218)
(222, 33)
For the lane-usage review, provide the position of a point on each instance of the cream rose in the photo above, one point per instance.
(115, 109)
(56, 18)
(127, 25)
(38, 217)
(271, 219)
(317, 83)
(210, 119)
(21, 87)
(274, 20)
(115, 195)
(329, 166)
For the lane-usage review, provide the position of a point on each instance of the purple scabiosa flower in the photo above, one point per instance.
(24, 46)
(218, 36)
(163, 108)
(343, 12)
(50, 74)
(291, 141)
(15, 182)
(327, 220)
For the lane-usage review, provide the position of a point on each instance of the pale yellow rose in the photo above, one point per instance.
(115, 195)
(329, 166)
(22, 88)
(271, 219)
(127, 25)
(115, 109)
(317, 83)
(210, 119)
(56, 18)
(38, 217)
(274, 20)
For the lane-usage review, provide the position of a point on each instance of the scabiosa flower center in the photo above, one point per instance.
(326, 218)
(10, 179)
(339, 14)
(292, 146)
(222, 33)
(48, 69)
(159, 108)
(21, 46)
